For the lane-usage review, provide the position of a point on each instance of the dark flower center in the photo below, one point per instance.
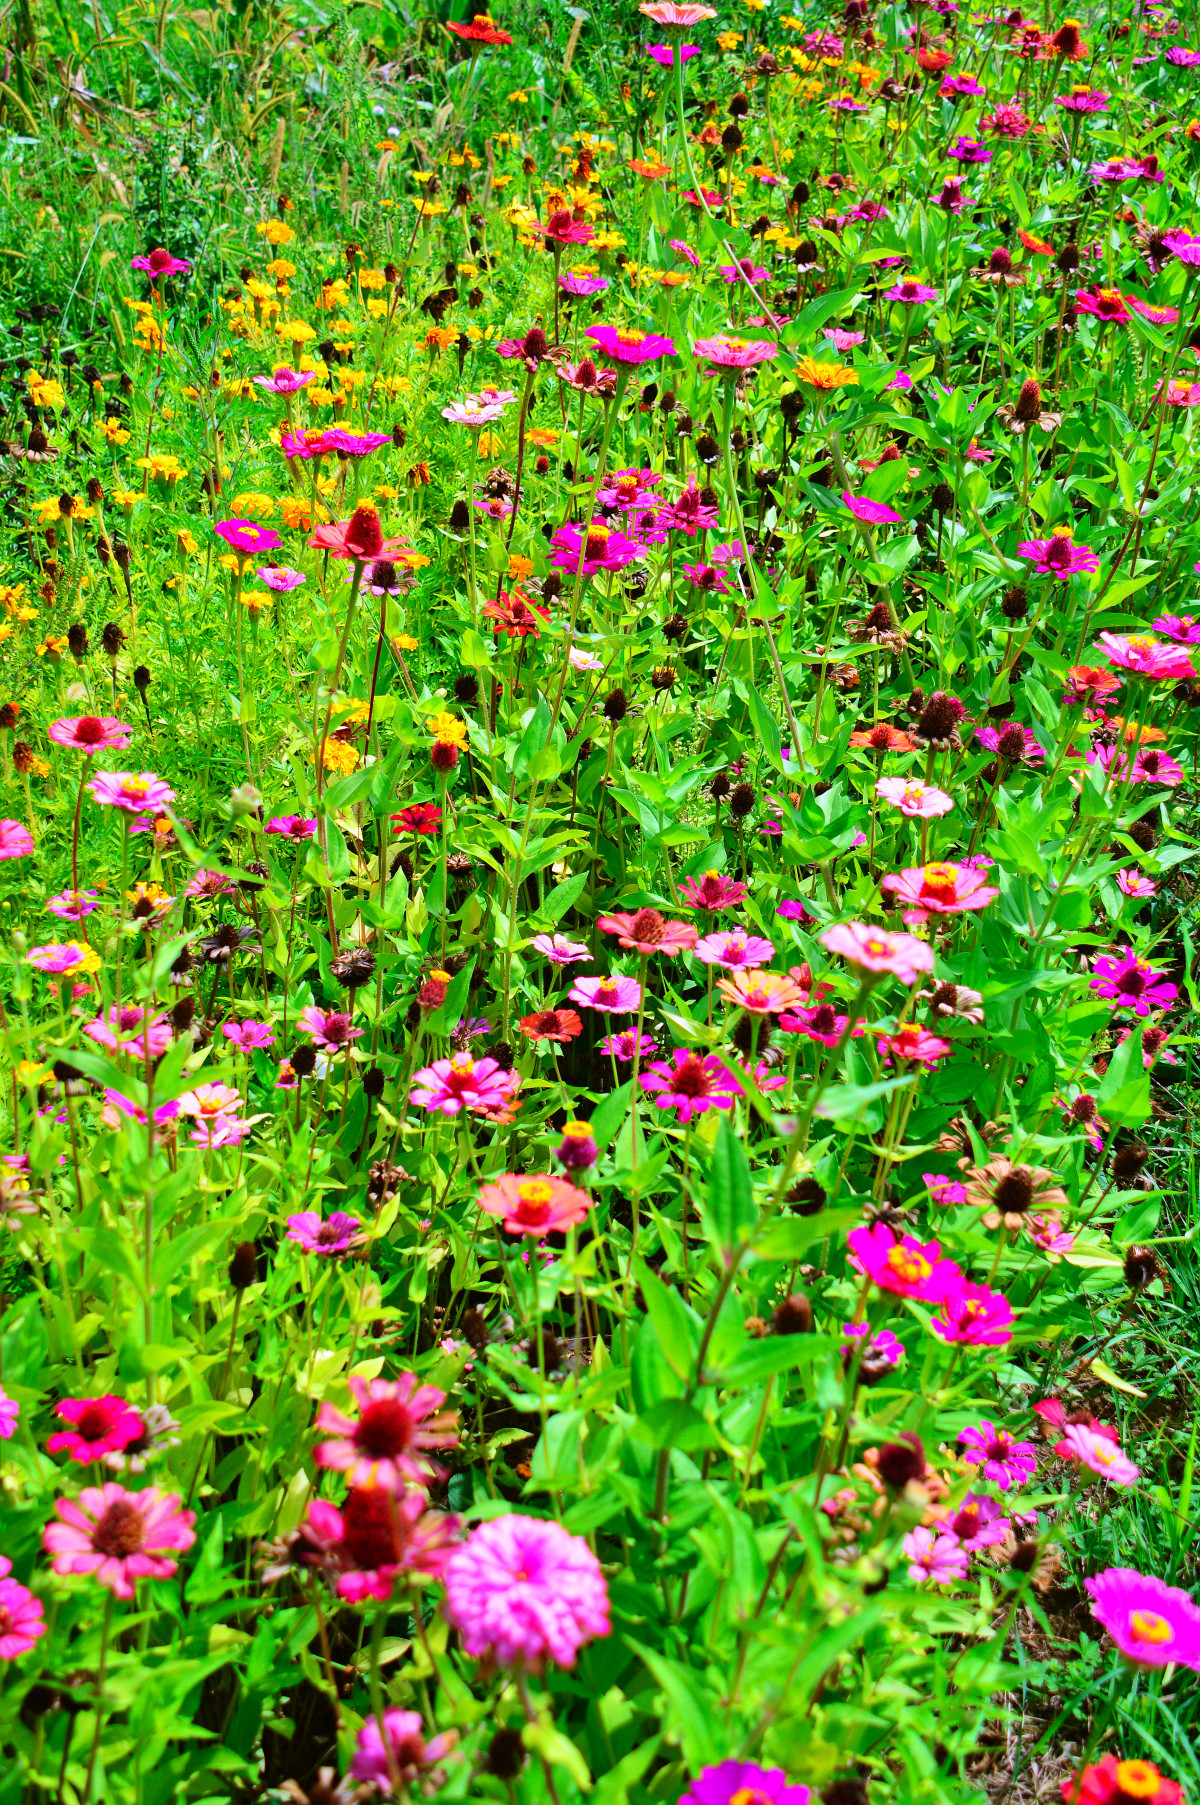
(1132, 984)
(89, 731)
(94, 1423)
(824, 1018)
(370, 1527)
(647, 926)
(1014, 1193)
(384, 574)
(120, 1531)
(691, 1079)
(384, 1429)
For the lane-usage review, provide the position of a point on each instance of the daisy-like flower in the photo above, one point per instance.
(600, 548)
(73, 905)
(1133, 883)
(648, 931)
(876, 950)
(915, 1045)
(559, 1025)
(69, 961)
(292, 827)
(389, 1443)
(1142, 655)
(762, 992)
(359, 539)
(743, 1783)
(882, 737)
(871, 513)
(1007, 1193)
(912, 294)
(881, 1350)
(734, 951)
(969, 150)
(727, 355)
(406, 1754)
(285, 381)
(536, 1206)
(713, 893)
(560, 950)
(1112, 1781)
(1058, 556)
(21, 1616)
(821, 1023)
(913, 797)
(479, 30)
(1098, 1453)
(1153, 1624)
(1184, 628)
(98, 1427)
(16, 842)
(1107, 304)
(627, 1046)
(522, 1590)
(10, 1414)
(208, 1101)
(939, 889)
(247, 537)
(904, 1267)
(973, 1316)
(132, 793)
(691, 1083)
(825, 377)
(127, 1030)
(978, 1522)
(1006, 1461)
(1131, 982)
(617, 995)
(627, 345)
(330, 1029)
(939, 1558)
(92, 733)
(245, 1036)
(336, 1235)
(452, 1085)
(119, 1536)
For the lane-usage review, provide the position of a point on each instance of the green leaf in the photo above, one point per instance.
(1104, 1371)
(676, 1327)
(1124, 1094)
(766, 726)
(564, 896)
(611, 1114)
(790, 1237)
(558, 1751)
(729, 1210)
(695, 1713)
(674, 1423)
(1137, 1224)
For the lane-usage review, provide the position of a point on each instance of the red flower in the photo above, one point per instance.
(99, 1426)
(552, 1024)
(359, 538)
(881, 738)
(1114, 1782)
(650, 932)
(480, 31)
(420, 818)
(514, 616)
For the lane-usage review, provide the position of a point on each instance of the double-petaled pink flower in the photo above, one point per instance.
(942, 888)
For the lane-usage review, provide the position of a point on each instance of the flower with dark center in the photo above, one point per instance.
(353, 968)
(219, 947)
(899, 1462)
(741, 801)
(938, 723)
(1007, 1193)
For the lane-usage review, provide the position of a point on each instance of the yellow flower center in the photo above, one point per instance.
(535, 1191)
(1141, 642)
(1138, 1779)
(942, 878)
(627, 336)
(908, 1265)
(462, 1065)
(1148, 1626)
(1108, 294)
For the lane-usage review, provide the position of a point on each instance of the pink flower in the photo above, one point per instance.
(281, 578)
(912, 294)
(734, 951)
(1005, 1460)
(872, 513)
(618, 995)
(973, 1315)
(880, 1345)
(92, 733)
(821, 1023)
(1133, 883)
(220, 1131)
(1010, 741)
(946, 1192)
(373, 1537)
(903, 1268)
(1047, 1232)
(119, 1109)
(1131, 983)
(21, 1616)
(600, 548)
(521, 1590)
(624, 1046)
(1057, 556)
(335, 1236)
(725, 355)
(248, 1035)
(939, 889)
(100, 1426)
(388, 1443)
(126, 1030)
(119, 1536)
(208, 1101)
(1182, 627)
(874, 949)
(1153, 1624)
(649, 932)
(713, 893)
(61, 961)
(537, 1206)
(743, 1783)
(629, 346)
(915, 1044)
(1142, 655)
(691, 1083)
(15, 841)
(685, 251)
(284, 381)
(1153, 765)
(73, 905)
(940, 1558)
(331, 1029)
(292, 827)
(977, 1522)
(406, 1756)
(1184, 246)
(207, 884)
(458, 1083)
(562, 951)
(914, 797)
(1098, 1453)
(131, 793)
(247, 537)
(10, 1413)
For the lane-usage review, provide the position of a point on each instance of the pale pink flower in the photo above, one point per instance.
(618, 995)
(1143, 655)
(207, 1101)
(726, 355)
(912, 796)
(734, 951)
(521, 1590)
(125, 1030)
(877, 950)
(131, 792)
(119, 1536)
(940, 1558)
(560, 950)
(1098, 1454)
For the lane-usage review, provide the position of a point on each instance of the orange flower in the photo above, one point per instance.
(826, 376)
(534, 1206)
(1037, 245)
(762, 992)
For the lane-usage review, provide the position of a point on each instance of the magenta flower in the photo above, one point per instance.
(1011, 741)
(354, 444)
(373, 1537)
(389, 1442)
(939, 889)
(617, 995)
(727, 355)
(15, 841)
(1152, 1624)
(1140, 654)
(734, 951)
(1153, 765)
(914, 1044)
(91, 733)
(248, 1035)
(21, 1616)
(1184, 246)
(1005, 1460)
(406, 1756)
(206, 884)
(1134, 883)
(882, 1345)
(1090, 101)
(73, 905)
(521, 1590)
(872, 513)
(331, 1029)
(960, 87)
(1098, 1453)
(1057, 556)
(913, 797)
(119, 1109)
(458, 1083)
(126, 1030)
(691, 1083)
(743, 1783)
(689, 513)
(629, 346)
(626, 1045)
(876, 950)
(1130, 982)
(281, 577)
(685, 252)
(904, 1267)
(161, 263)
(337, 1235)
(600, 548)
(821, 1023)
(562, 951)
(119, 1536)
(61, 961)
(292, 827)
(951, 199)
(973, 1316)
(581, 286)
(713, 893)
(661, 53)
(10, 1413)
(132, 793)
(285, 381)
(940, 1558)
(99, 1426)
(627, 489)
(1185, 628)
(744, 271)
(978, 1523)
(247, 537)
(912, 294)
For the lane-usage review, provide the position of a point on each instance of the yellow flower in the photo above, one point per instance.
(296, 512)
(728, 40)
(279, 267)
(47, 511)
(11, 596)
(241, 388)
(127, 498)
(274, 231)
(254, 504)
(673, 278)
(53, 646)
(256, 600)
(489, 444)
(185, 543)
(163, 467)
(319, 397)
(519, 98)
(377, 308)
(29, 1073)
(520, 567)
(448, 729)
(44, 391)
(826, 376)
(297, 332)
(404, 642)
(338, 755)
(429, 209)
(422, 176)
(384, 492)
(608, 241)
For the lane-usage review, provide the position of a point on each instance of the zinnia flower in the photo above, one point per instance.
(629, 346)
(691, 1083)
(913, 797)
(1139, 653)
(337, 1235)
(871, 513)
(940, 1558)
(458, 1083)
(552, 1024)
(119, 1536)
(1112, 1781)
(650, 932)
(1153, 1624)
(726, 355)
(1005, 1461)
(617, 995)
(1057, 556)
(713, 893)
(92, 733)
(1132, 983)
(743, 1783)
(407, 1754)
(1098, 1453)
(15, 842)
(521, 1590)
(903, 1268)
(132, 794)
(388, 1443)
(876, 950)
(99, 1426)
(939, 889)
(21, 1615)
(973, 1315)
(534, 1206)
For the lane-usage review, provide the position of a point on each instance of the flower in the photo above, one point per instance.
(407, 1753)
(388, 1444)
(1112, 1781)
(628, 346)
(880, 1348)
(480, 30)
(618, 995)
(600, 548)
(248, 1035)
(913, 294)
(1058, 556)
(119, 1536)
(419, 818)
(882, 737)
(725, 355)
(100, 1426)
(331, 1029)
(21, 1616)
(713, 893)
(1098, 1453)
(1133, 883)
(691, 1083)
(973, 1315)
(534, 1206)
(1139, 653)
(335, 1236)
(877, 950)
(521, 1589)
(91, 733)
(552, 1024)
(940, 1558)
(871, 513)
(913, 797)
(460, 1082)
(1153, 1624)
(649, 932)
(902, 1267)
(161, 263)
(67, 961)
(762, 992)
(914, 1044)
(10, 1413)
(73, 905)
(285, 381)
(130, 1030)
(246, 537)
(1131, 983)
(1005, 1461)
(734, 951)
(939, 889)
(977, 1522)
(562, 951)
(743, 1783)
(1008, 1192)
(15, 841)
(820, 1023)
(628, 1045)
(360, 538)
(132, 794)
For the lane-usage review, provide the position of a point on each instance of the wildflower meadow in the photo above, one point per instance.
(599, 667)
